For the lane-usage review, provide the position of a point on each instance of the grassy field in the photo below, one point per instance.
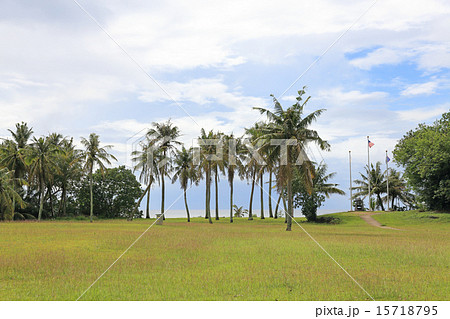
(247, 260)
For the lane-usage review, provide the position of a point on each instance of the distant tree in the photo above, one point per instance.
(378, 184)
(310, 201)
(239, 211)
(115, 191)
(424, 153)
(94, 155)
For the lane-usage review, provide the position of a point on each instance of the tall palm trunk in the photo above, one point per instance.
(216, 184)
(231, 198)
(147, 210)
(163, 192)
(276, 207)
(261, 185)
(64, 201)
(41, 201)
(290, 202)
(208, 194)
(91, 196)
(270, 194)
(285, 209)
(250, 209)
(186, 205)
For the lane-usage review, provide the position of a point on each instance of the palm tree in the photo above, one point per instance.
(184, 171)
(40, 158)
(94, 155)
(254, 163)
(398, 189)
(164, 137)
(8, 194)
(218, 166)
(292, 127)
(233, 162)
(146, 161)
(68, 169)
(377, 184)
(207, 151)
(12, 153)
(21, 135)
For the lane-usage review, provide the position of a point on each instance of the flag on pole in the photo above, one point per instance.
(387, 159)
(370, 143)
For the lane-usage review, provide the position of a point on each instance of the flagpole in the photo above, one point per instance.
(350, 164)
(368, 167)
(387, 179)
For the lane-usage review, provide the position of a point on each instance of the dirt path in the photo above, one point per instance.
(371, 221)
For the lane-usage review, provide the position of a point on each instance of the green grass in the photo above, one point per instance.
(246, 260)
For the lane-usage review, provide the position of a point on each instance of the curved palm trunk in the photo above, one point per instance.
(186, 205)
(138, 203)
(270, 194)
(380, 201)
(91, 196)
(276, 207)
(216, 184)
(261, 185)
(250, 209)
(147, 210)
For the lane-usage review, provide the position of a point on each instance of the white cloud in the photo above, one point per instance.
(421, 89)
(338, 96)
(420, 115)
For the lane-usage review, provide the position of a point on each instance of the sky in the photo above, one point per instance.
(113, 67)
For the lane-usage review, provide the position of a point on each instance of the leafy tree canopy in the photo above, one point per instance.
(115, 193)
(424, 153)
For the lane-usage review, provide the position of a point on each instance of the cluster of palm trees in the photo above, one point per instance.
(48, 166)
(274, 147)
(45, 167)
(378, 179)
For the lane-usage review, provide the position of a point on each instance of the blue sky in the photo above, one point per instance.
(60, 72)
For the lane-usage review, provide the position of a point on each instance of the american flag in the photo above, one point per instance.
(371, 144)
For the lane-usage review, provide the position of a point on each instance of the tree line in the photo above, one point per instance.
(48, 176)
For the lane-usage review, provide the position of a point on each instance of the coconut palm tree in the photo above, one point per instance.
(292, 127)
(146, 162)
(398, 189)
(218, 166)
(8, 194)
(255, 163)
(233, 163)
(94, 155)
(164, 137)
(68, 163)
(12, 152)
(185, 172)
(40, 158)
(377, 184)
(206, 155)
